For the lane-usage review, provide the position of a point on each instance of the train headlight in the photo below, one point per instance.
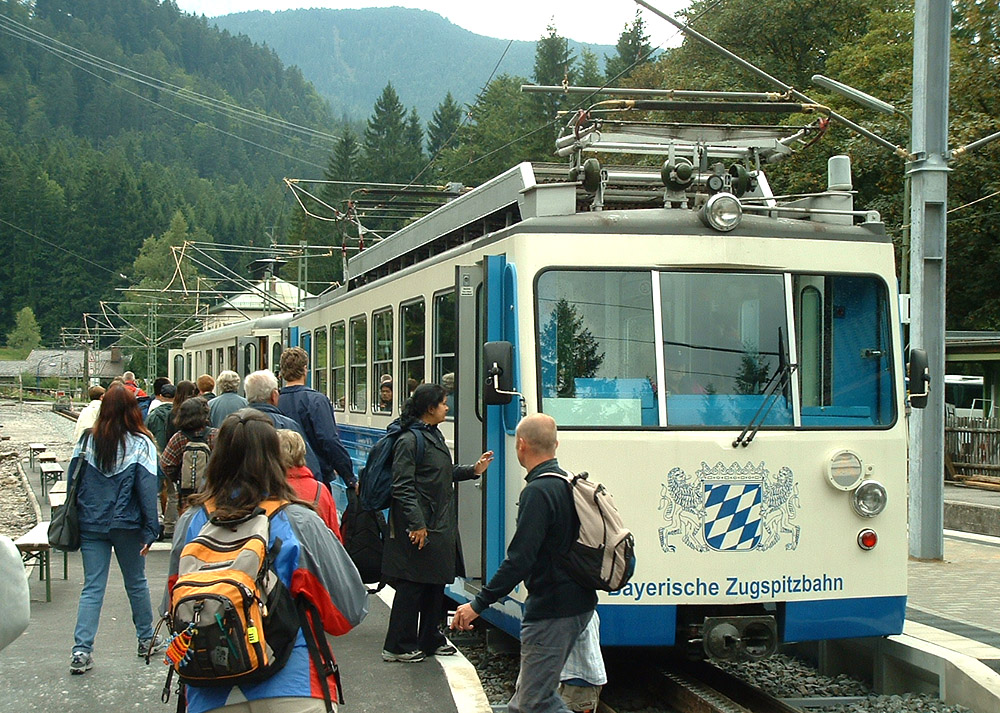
(870, 498)
(844, 470)
(722, 212)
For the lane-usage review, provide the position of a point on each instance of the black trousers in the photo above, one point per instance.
(414, 619)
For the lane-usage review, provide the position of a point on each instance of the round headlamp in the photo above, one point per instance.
(870, 498)
(722, 212)
(844, 470)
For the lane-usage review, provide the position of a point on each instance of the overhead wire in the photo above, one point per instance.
(78, 256)
(53, 45)
(590, 96)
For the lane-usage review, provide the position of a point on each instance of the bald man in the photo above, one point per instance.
(557, 608)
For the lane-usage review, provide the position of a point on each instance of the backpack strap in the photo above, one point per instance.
(319, 651)
(315, 502)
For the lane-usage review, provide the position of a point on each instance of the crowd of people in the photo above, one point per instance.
(169, 465)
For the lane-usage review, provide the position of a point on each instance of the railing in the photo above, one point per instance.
(972, 450)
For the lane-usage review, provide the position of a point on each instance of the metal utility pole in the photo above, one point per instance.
(928, 174)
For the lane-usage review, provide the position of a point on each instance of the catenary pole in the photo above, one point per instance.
(928, 173)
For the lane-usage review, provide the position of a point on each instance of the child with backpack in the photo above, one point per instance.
(303, 482)
(294, 581)
(185, 459)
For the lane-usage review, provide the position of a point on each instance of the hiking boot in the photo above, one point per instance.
(445, 650)
(152, 646)
(408, 657)
(81, 662)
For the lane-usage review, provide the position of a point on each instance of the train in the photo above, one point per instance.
(727, 362)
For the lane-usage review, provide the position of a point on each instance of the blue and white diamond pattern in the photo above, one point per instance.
(732, 516)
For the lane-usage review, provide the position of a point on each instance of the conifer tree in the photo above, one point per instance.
(385, 137)
(553, 65)
(414, 143)
(444, 123)
(589, 72)
(632, 50)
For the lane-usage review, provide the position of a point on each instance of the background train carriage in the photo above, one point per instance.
(243, 347)
(655, 341)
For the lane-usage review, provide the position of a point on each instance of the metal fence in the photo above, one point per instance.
(972, 449)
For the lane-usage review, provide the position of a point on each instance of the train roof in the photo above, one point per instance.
(537, 198)
(245, 328)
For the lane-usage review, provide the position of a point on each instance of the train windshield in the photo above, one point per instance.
(688, 349)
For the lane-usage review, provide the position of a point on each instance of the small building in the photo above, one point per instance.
(66, 364)
(268, 296)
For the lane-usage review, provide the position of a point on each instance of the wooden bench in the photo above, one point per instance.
(34, 548)
(57, 495)
(47, 457)
(50, 474)
(34, 448)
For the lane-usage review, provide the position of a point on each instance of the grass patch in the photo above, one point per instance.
(9, 354)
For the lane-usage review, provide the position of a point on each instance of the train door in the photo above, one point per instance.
(468, 421)
(305, 341)
(176, 370)
(247, 357)
(484, 302)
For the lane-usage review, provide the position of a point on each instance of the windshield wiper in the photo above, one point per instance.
(775, 385)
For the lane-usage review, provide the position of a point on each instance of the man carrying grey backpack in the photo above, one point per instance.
(558, 608)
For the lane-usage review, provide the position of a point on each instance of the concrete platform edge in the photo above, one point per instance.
(972, 517)
(31, 493)
(463, 679)
(904, 663)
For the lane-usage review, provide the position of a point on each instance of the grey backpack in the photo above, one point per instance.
(603, 554)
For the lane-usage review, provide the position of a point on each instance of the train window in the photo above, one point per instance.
(219, 363)
(411, 349)
(359, 363)
(724, 342)
(275, 355)
(595, 339)
(178, 368)
(338, 380)
(189, 366)
(208, 362)
(845, 351)
(320, 363)
(232, 358)
(444, 346)
(381, 353)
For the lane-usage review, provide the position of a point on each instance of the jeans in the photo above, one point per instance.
(545, 646)
(96, 551)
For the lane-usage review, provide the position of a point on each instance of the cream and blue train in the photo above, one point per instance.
(732, 376)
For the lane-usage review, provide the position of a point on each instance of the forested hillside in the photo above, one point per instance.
(349, 55)
(96, 158)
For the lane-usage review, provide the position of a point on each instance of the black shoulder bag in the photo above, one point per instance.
(64, 528)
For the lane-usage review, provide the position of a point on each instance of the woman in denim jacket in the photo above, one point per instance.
(116, 501)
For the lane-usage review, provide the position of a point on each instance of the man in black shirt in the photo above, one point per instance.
(557, 608)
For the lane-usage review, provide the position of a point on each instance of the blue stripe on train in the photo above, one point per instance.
(655, 624)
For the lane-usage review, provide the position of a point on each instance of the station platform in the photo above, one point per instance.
(971, 509)
(34, 669)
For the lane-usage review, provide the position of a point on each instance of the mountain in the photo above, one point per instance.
(349, 55)
(96, 158)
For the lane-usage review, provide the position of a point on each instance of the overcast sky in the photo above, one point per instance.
(587, 21)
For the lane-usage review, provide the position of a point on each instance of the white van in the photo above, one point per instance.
(964, 396)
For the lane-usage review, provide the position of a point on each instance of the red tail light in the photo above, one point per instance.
(867, 539)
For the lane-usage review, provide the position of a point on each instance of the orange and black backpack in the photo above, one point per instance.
(231, 618)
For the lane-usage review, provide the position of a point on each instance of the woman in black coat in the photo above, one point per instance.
(421, 552)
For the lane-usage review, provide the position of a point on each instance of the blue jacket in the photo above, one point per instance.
(124, 499)
(280, 420)
(315, 412)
